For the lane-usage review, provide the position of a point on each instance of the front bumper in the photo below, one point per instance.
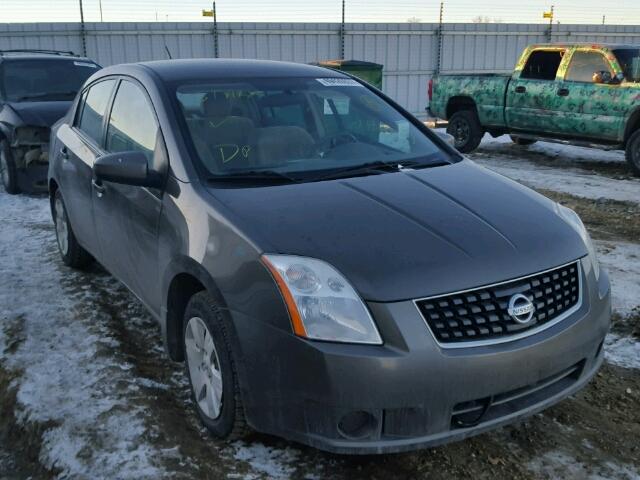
(411, 392)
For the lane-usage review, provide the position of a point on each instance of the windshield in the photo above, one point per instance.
(629, 60)
(301, 128)
(39, 80)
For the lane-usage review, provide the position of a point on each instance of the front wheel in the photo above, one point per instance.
(466, 130)
(632, 152)
(523, 142)
(72, 253)
(8, 169)
(211, 368)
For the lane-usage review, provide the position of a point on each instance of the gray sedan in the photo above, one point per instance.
(329, 270)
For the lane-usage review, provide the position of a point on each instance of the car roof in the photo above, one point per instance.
(213, 68)
(9, 55)
(584, 44)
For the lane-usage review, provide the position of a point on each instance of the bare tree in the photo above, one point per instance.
(485, 19)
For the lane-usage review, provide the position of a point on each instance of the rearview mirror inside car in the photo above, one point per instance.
(128, 168)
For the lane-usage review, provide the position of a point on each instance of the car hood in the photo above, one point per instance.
(40, 114)
(408, 235)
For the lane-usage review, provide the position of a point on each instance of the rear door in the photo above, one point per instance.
(81, 143)
(532, 93)
(589, 107)
(127, 216)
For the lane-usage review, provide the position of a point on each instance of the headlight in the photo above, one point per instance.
(573, 219)
(321, 302)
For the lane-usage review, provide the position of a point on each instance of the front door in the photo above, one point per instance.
(589, 104)
(532, 93)
(127, 216)
(80, 144)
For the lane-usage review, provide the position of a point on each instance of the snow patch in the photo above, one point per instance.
(622, 351)
(561, 465)
(71, 376)
(622, 260)
(275, 463)
(567, 180)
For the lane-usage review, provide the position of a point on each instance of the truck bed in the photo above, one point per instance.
(487, 90)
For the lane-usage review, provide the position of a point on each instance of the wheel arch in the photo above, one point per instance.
(460, 102)
(632, 124)
(184, 278)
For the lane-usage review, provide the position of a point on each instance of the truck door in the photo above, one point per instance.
(532, 97)
(589, 99)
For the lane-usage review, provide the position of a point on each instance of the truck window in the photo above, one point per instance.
(584, 64)
(542, 65)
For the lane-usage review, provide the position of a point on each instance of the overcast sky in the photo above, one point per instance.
(507, 11)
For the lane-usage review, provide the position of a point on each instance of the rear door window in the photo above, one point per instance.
(132, 124)
(542, 65)
(584, 64)
(93, 108)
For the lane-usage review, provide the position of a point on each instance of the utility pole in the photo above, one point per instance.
(82, 32)
(603, 18)
(342, 33)
(100, 4)
(215, 31)
(549, 15)
(439, 39)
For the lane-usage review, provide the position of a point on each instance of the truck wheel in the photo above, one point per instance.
(521, 141)
(8, 169)
(72, 253)
(632, 152)
(466, 130)
(211, 368)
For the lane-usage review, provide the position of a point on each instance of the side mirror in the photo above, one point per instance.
(127, 168)
(602, 76)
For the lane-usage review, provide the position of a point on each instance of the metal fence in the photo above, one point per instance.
(410, 52)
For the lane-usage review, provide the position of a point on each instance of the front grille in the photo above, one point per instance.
(481, 315)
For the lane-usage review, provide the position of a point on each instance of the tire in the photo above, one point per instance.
(71, 252)
(632, 152)
(8, 170)
(466, 130)
(217, 368)
(522, 141)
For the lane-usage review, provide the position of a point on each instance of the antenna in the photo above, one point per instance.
(168, 52)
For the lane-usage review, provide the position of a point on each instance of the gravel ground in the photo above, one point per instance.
(86, 390)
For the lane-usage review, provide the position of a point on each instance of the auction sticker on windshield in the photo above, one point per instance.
(339, 82)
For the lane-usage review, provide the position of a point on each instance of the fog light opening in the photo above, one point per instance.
(357, 425)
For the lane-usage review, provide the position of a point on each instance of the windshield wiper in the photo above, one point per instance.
(48, 94)
(371, 168)
(261, 176)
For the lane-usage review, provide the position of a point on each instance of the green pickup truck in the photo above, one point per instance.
(580, 94)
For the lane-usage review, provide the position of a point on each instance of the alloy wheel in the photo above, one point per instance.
(460, 131)
(62, 232)
(204, 367)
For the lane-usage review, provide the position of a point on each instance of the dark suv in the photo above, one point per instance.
(36, 89)
(331, 271)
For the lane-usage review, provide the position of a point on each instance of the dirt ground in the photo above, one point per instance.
(591, 435)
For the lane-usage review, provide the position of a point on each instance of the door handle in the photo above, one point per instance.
(98, 187)
(521, 89)
(563, 92)
(64, 153)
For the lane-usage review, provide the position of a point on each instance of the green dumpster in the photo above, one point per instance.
(368, 71)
